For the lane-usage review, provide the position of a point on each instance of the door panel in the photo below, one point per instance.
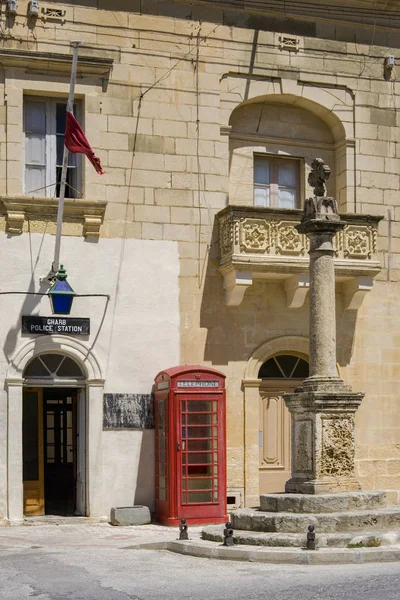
(274, 437)
(33, 472)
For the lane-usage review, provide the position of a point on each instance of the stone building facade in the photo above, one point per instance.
(206, 117)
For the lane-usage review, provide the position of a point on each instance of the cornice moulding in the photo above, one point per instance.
(18, 208)
(56, 62)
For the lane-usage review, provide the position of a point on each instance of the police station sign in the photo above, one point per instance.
(49, 325)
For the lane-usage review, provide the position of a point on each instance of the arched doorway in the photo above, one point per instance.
(54, 436)
(84, 376)
(292, 345)
(278, 375)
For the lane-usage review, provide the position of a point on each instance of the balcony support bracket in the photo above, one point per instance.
(235, 285)
(296, 288)
(355, 290)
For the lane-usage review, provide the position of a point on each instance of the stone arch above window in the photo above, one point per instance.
(284, 366)
(283, 133)
(53, 366)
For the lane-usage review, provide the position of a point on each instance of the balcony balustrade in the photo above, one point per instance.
(263, 243)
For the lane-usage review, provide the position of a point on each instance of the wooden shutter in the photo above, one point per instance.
(35, 146)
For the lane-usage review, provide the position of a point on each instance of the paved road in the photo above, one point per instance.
(61, 563)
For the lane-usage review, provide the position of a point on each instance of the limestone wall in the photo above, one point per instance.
(163, 124)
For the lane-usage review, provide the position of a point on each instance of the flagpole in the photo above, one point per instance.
(70, 108)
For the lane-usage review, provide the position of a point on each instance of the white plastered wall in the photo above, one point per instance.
(133, 337)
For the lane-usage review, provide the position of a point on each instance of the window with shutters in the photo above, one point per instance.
(276, 182)
(44, 127)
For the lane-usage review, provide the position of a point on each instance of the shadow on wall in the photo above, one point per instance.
(145, 482)
(233, 333)
(368, 30)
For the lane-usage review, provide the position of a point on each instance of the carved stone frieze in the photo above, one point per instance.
(288, 240)
(358, 242)
(337, 455)
(255, 235)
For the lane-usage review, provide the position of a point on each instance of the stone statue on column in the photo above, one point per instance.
(323, 409)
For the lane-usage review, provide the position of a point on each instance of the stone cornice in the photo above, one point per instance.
(18, 208)
(55, 62)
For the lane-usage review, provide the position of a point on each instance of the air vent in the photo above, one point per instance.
(50, 13)
(288, 42)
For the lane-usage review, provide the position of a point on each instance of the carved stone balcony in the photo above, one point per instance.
(263, 243)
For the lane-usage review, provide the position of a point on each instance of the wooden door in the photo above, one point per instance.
(280, 374)
(274, 439)
(33, 467)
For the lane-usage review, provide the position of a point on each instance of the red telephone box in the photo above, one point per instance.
(190, 445)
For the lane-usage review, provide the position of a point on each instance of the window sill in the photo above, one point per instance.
(20, 208)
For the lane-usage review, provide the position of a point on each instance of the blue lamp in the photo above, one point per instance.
(61, 294)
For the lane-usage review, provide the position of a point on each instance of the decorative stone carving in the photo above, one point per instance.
(255, 235)
(288, 239)
(321, 208)
(226, 235)
(358, 242)
(320, 172)
(337, 456)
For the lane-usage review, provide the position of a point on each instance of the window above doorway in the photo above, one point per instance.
(284, 366)
(51, 366)
(276, 182)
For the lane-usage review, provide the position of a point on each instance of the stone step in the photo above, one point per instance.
(385, 519)
(214, 533)
(322, 503)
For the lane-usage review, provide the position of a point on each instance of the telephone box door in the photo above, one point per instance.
(199, 456)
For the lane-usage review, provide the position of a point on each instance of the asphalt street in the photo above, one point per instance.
(102, 573)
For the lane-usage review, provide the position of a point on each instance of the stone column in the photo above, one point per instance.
(322, 411)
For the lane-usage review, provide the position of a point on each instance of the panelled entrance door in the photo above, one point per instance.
(50, 461)
(280, 374)
(59, 413)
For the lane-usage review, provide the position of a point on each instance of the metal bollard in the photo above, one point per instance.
(228, 534)
(311, 538)
(183, 530)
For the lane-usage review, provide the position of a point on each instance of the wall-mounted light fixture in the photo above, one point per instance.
(61, 294)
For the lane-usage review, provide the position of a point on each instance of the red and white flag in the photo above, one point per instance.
(75, 140)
